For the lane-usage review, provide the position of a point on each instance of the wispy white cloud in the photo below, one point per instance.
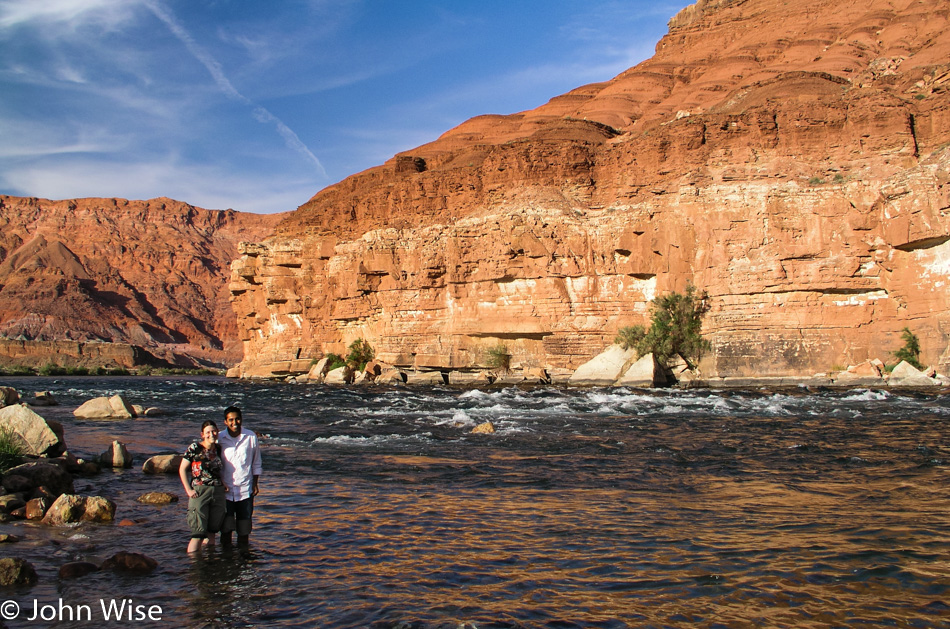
(19, 12)
(226, 87)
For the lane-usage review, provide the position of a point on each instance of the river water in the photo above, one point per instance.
(587, 508)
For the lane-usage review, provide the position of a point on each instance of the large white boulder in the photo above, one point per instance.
(115, 407)
(340, 375)
(644, 373)
(906, 375)
(426, 378)
(37, 435)
(605, 368)
(319, 370)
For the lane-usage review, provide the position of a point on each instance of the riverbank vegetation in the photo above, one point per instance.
(11, 449)
(52, 369)
(910, 352)
(498, 357)
(361, 352)
(676, 322)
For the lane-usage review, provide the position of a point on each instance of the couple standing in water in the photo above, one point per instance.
(220, 475)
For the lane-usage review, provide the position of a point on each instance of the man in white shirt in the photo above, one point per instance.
(241, 453)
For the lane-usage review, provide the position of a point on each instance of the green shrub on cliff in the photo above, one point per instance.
(675, 328)
(334, 361)
(911, 350)
(498, 357)
(361, 353)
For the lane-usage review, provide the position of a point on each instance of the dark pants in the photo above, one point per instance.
(238, 517)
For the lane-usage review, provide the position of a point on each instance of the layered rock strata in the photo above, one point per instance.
(791, 159)
(79, 274)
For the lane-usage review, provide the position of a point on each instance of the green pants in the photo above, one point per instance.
(206, 510)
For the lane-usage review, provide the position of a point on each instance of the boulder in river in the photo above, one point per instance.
(76, 569)
(38, 436)
(117, 456)
(115, 407)
(16, 571)
(162, 464)
(157, 498)
(605, 368)
(41, 473)
(129, 563)
(72, 508)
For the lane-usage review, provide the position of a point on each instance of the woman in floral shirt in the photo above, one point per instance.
(200, 474)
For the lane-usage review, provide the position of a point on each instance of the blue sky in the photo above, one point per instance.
(256, 105)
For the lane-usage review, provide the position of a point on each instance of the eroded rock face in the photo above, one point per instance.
(790, 158)
(150, 274)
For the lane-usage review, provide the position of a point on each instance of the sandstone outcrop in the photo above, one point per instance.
(790, 158)
(145, 274)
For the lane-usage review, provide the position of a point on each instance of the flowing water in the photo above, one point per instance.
(587, 508)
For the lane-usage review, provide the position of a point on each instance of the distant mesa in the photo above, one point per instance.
(116, 283)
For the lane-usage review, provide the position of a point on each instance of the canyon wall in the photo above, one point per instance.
(149, 274)
(791, 159)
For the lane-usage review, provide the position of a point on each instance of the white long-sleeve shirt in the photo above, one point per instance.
(242, 462)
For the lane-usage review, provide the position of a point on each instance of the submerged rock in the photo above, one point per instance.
(16, 571)
(130, 563)
(76, 569)
(157, 498)
(485, 428)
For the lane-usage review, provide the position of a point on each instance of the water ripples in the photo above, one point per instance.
(588, 508)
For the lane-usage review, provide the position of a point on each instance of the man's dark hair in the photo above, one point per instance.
(233, 409)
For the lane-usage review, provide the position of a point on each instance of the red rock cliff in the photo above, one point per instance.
(791, 158)
(148, 273)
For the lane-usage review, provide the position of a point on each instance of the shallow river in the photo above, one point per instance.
(587, 508)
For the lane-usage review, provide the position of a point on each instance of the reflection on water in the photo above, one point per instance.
(588, 508)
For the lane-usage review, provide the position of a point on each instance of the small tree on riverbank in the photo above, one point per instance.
(911, 350)
(675, 328)
(361, 353)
